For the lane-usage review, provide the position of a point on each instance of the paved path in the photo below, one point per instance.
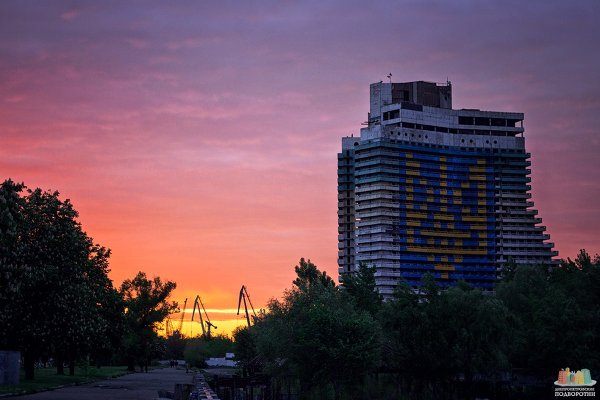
(137, 386)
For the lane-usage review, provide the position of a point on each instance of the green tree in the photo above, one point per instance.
(13, 274)
(557, 314)
(246, 353)
(175, 345)
(414, 345)
(146, 306)
(315, 333)
(431, 337)
(53, 280)
(109, 304)
(361, 288)
(477, 328)
(309, 276)
(198, 350)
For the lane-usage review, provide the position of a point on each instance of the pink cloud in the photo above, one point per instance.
(69, 15)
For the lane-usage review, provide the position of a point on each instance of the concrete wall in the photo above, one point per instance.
(10, 362)
(220, 362)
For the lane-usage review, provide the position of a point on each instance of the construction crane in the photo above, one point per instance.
(197, 304)
(169, 327)
(243, 296)
(179, 329)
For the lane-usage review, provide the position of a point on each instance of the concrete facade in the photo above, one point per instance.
(426, 188)
(10, 365)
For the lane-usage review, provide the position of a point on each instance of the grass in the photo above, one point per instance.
(46, 379)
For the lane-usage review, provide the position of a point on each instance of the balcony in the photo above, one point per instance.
(513, 253)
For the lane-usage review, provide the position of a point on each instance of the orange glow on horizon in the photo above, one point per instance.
(192, 329)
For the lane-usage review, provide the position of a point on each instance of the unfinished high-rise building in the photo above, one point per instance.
(429, 189)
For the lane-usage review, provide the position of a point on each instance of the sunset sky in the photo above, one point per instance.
(198, 140)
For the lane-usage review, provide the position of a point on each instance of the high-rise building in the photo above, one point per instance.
(429, 189)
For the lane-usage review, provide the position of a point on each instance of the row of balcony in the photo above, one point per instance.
(516, 253)
(451, 164)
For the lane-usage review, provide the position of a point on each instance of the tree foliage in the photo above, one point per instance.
(56, 299)
(315, 334)
(146, 306)
(435, 343)
(56, 293)
(198, 350)
(175, 346)
(431, 337)
(362, 290)
(556, 313)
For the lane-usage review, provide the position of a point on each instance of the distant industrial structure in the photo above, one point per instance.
(426, 188)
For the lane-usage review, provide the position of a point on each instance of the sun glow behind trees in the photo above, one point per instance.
(56, 300)
(226, 319)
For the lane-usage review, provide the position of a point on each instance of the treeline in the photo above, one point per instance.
(197, 350)
(56, 299)
(327, 341)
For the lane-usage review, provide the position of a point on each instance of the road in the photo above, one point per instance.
(137, 386)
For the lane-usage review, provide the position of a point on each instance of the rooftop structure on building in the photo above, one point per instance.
(429, 189)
